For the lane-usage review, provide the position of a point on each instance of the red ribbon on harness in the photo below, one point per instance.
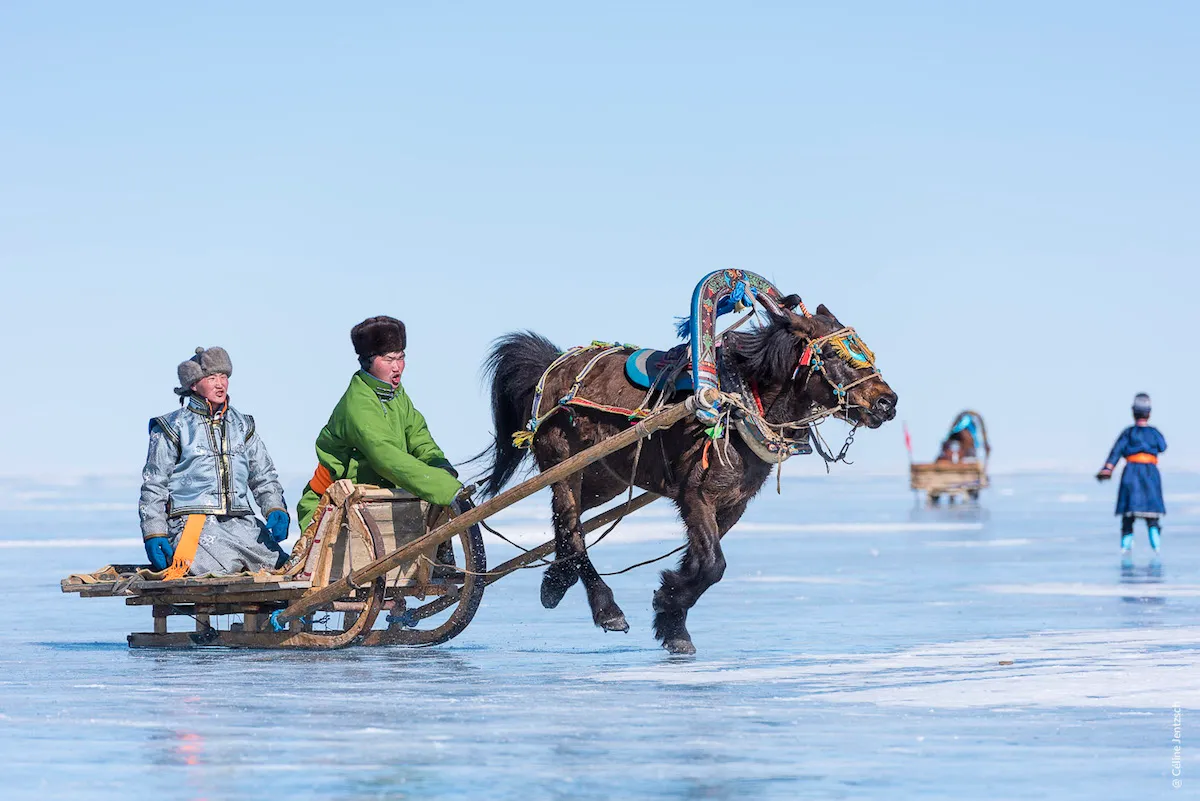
(806, 357)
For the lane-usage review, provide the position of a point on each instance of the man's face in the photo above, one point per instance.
(389, 367)
(213, 388)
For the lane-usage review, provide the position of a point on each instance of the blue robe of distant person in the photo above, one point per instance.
(1141, 485)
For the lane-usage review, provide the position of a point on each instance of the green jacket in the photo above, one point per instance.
(376, 436)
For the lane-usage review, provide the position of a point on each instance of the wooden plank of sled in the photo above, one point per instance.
(162, 640)
(282, 596)
(229, 639)
(172, 588)
(378, 495)
(100, 588)
(195, 585)
(214, 597)
(105, 590)
(665, 418)
(209, 581)
(210, 608)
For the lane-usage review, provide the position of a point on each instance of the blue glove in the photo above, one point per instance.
(159, 552)
(277, 525)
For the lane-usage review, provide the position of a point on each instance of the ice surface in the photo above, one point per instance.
(859, 647)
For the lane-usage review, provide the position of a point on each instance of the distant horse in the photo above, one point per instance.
(709, 484)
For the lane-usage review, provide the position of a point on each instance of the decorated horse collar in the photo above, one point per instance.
(749, 418)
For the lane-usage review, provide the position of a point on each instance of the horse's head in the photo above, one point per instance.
(830, 368)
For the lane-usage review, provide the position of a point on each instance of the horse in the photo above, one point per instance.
(710, 489)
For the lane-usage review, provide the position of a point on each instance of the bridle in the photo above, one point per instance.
(847, 343)
(774, 437)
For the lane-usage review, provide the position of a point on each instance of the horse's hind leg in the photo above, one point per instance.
(702, 566)
(564, 571)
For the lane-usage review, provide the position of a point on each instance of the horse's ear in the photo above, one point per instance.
(780, 312)
(825, 312)
(804, 326)
(793, 302)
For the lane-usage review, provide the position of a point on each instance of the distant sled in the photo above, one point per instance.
(960, 471)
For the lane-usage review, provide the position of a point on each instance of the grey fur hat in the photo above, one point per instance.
(203, 364)
(1141, 404)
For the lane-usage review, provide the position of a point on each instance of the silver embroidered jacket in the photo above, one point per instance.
(200, 463)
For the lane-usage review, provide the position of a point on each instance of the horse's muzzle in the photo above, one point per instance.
(879, 412)
(884, 406)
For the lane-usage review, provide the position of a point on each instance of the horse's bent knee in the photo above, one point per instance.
(712, 571)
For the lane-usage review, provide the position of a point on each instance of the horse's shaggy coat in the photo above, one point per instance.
(710, 499)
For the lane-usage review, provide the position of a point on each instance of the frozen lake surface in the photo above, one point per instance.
(859, 647)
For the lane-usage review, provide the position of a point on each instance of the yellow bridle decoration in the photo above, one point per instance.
(851, 348)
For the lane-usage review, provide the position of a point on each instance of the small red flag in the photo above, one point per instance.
(907, 440)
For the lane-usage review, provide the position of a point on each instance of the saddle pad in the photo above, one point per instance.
(644, 366)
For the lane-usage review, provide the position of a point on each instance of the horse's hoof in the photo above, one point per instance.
(554, 588)
(552, 593)
(680, 647)
(615, 623)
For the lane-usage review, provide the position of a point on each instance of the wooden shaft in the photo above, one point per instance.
(315, 599)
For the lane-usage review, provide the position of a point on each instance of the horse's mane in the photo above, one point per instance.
(768, 354)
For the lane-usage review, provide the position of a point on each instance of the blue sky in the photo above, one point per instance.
(1002, 200)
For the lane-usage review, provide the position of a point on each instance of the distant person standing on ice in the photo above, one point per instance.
(1140, 494)
(205, 462)
(375, 434)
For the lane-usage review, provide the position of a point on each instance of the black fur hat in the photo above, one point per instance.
(378, 335)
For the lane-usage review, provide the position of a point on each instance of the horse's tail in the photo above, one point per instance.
(513, 368)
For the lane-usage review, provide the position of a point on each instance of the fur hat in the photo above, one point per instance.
(203, 364)
(1141, 405)
(378, 335)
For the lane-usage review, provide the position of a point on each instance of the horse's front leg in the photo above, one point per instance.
(572, 551)
(702, 566)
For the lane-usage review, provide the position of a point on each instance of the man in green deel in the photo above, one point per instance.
(375, 434)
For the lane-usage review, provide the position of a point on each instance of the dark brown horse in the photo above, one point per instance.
(711, 493)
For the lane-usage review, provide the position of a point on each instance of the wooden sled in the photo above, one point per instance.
(954, 481)
(353, 526)
(369, 557)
